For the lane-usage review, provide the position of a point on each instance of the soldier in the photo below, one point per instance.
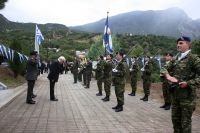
(133, 72)
(146, 76)
(107, 76)
(75, 70)
(186, 78)
(165, 84)
(88, 73)
(119, 79)
(84, 71)
(31, 76)
(99, 74)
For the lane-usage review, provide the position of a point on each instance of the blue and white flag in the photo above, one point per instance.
(107, 39)
(142, 61)
(5, 52)
(1, 50)
(38, 38)
(159, 61)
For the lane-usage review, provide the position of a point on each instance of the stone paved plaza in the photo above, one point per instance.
(80, 110)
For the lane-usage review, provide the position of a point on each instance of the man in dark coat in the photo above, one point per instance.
(88, 73)
(55, 70)
(31, 76)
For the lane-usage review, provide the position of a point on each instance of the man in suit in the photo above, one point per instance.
(55, 70)
(31, 76)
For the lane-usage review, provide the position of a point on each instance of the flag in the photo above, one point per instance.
(107, 39)
(38, 38)
(159, 61)
(142, 61)
(1, 50)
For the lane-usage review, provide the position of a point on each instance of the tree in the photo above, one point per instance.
(2, 3)
(196, 47)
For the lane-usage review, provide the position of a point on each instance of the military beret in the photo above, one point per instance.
(121, 53)
(184, 38)
(33, 53)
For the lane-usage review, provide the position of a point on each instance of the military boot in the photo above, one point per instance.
(132, 94)
(106, 99)
(99, 94)
(163, 106)
(142, 98)
(115, 107)
(119, 109)
(167, 107)
(145, 98)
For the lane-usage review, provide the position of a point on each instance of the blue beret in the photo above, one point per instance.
(184, 38)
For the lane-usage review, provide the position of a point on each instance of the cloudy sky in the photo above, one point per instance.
(78, 12)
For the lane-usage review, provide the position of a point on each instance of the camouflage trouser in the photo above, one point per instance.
(80, 76)
(134, 84)
(119, 92)
(146, 87)
(166, 93)
(75, 76)
(84, 78)
(99, 84)
(107, 86)
(181, 116)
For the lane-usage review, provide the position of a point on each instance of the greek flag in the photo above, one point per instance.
(107, 39)
(38, 38)
(159, 61)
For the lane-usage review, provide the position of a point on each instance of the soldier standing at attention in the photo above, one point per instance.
(99, 74)
(146, 76)
(31, 76)
(107, 77)
(186, 77)
(88, 73)
(75, 70)
(133, 72)
(119, 79)
(165, 85)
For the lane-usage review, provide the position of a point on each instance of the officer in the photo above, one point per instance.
(55, 70)
(99, 74)
(165, 85)
(186, 77)
(146, 76)
(31, 76)
(75, 70)
(134, 72)
(88, 72)
(107, 71)
(119, 79)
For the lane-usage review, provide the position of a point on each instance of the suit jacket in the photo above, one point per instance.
(32, 69)
(55, 70)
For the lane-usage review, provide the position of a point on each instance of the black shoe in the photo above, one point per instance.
(34, 96)
(167, 107)
(163, 106)
(119, 109)
(55, 99)
(106, 99)
(86, 87)
(146, 98)
(75, 82)
(142, 98)
(115, 107)
(132, 94)
(99, 94)
(31, 102)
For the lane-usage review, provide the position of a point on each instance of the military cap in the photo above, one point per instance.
(184, 38)
(33, 53)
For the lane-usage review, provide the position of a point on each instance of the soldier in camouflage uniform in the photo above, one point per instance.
(75, 70)
(107, 76)
(119, 79)
(186, 79)
(165, 85)
(133, 73)
(99, 75)
(88, 73)
(146, 76)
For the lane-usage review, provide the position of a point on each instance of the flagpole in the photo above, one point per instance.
(106, 31)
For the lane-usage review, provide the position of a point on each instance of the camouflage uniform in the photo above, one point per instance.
(99, 75)
(184, 99)
(88, 73)
(75, 70)
(133, 72)
(107, 77)
(119, 79)
(146, 76)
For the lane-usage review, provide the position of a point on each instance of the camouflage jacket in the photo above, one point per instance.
(146, 74)
(119, 77)
(187, 69)
(99, 70)
(108, 69)
(134, 69)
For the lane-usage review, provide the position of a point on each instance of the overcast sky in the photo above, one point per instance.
(78, 12)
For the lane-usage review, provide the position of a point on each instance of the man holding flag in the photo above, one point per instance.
(38, 38)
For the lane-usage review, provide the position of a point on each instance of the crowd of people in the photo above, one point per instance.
(180, 76)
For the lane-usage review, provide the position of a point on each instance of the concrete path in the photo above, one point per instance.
(80, 110)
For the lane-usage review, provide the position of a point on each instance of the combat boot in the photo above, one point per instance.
(106, 99)
(132, 94)
(142, 98)
(167, 107)
(119, 109)
(99, 94)
(145, 98)
(163, 106)
(115, 107)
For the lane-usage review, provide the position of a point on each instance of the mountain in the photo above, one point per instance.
(6, 25)
(170, 22)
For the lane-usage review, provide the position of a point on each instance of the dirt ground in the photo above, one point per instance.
(157, 95)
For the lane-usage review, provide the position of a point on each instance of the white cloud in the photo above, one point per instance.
(77, 12)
